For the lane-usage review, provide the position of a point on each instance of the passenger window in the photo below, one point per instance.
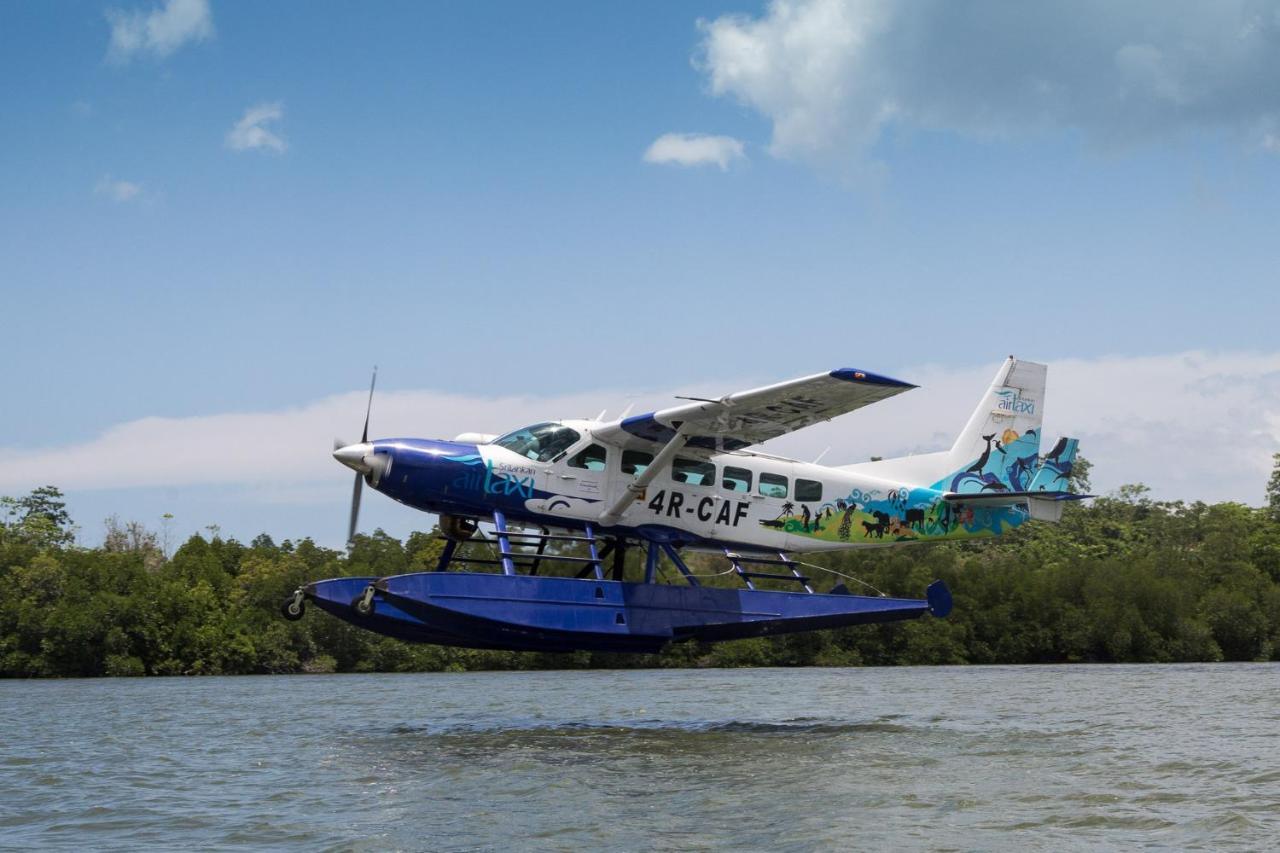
(736, 479)
(592, 457)
(635, 461)
(773, 486)
(808, 491)
(693, 472)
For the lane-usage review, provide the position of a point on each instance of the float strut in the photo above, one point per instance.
(791, 564)
(620, 560)
(541, 549)
(595, 555)
(504, 544)
(737, 567)
(679, 563)
(651, 562)
(446, 556)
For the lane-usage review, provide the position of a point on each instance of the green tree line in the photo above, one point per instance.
(1123, 578)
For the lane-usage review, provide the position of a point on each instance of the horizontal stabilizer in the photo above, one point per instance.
(1041, 506)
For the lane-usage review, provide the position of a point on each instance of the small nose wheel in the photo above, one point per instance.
(294, 606)
(364, 603)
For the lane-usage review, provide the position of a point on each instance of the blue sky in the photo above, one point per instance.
(460, 194)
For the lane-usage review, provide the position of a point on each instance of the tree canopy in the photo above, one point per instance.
(1123, 579)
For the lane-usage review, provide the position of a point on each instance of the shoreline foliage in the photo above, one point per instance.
(1122, 579)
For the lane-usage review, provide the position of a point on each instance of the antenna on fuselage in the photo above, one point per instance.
(820, 455)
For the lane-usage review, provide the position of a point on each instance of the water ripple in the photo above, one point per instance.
(982, 757)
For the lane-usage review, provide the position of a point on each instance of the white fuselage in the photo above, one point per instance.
(741, 498)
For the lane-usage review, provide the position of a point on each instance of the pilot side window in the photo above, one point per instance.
(635, 461)
(773, 485)
(693, 472)
(592, 457)
(736, 479)
(808, 490)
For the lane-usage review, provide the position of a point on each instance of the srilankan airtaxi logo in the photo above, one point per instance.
(1013, 402)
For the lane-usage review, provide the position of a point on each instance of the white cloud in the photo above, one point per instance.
(249, 132)
(1270, 139)
(1190, 425)
(117, 190)
(160, 31)
(280, 448)
(694, 149)
(833, 75)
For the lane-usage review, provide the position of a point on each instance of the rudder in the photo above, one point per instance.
(1054, 474)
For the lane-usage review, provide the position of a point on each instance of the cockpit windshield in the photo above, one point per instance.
(542, 442)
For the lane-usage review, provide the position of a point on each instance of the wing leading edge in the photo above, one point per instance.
(750, 417)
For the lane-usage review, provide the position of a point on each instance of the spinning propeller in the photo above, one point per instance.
(369, 466)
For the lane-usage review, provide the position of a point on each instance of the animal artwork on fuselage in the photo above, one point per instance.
(908, 514)
(881, 517)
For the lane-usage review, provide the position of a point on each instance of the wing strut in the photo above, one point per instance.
(611, 515)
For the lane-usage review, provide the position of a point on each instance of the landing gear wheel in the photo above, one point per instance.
(294, 607)
(364, 603)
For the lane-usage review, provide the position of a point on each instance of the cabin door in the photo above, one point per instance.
(583, 473)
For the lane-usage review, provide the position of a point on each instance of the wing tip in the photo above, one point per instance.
(849, 374)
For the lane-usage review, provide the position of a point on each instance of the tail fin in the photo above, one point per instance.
(1055, 470)
(999, 449)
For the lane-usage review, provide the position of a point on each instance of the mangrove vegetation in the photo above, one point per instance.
(1123, 578)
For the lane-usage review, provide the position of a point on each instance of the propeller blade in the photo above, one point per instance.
(355, 508)
(359, 484)
(364, 436)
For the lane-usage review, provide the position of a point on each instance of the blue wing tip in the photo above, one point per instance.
(849, 374)
(939, 598)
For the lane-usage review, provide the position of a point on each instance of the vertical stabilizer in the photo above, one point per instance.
(999, 448)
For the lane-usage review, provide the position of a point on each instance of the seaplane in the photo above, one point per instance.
(567, 501)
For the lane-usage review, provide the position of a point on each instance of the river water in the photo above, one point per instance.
(960, 758)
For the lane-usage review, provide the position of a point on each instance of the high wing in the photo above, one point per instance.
(750, 417)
